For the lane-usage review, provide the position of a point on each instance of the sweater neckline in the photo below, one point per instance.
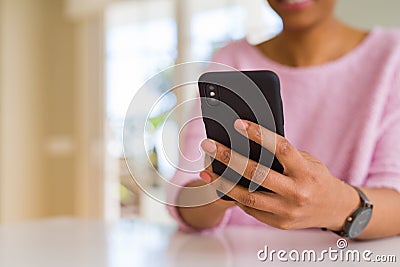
(339, 61)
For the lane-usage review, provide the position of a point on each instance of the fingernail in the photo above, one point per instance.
(208, 146)
(205, 176)
(241, 125)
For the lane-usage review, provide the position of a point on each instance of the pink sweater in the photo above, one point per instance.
(346, 113)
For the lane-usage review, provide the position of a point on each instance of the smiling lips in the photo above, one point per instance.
(296, 4)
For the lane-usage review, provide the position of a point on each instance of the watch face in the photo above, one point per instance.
(360, 222)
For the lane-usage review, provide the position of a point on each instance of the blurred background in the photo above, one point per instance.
(68, 70)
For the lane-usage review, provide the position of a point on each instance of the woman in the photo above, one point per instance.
(341, 97)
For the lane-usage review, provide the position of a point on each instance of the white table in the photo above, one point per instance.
(73, 243)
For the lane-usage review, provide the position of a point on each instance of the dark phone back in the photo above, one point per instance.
(249, 95)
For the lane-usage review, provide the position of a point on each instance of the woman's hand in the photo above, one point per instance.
(306, 195)
(206, 216)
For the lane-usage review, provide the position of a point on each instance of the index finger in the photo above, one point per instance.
(284, 151)
(256, 173)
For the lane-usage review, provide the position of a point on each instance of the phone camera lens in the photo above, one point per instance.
(211, 93)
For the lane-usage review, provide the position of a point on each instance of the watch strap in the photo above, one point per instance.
(365, 203)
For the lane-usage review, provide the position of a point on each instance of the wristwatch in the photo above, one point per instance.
(358, 219)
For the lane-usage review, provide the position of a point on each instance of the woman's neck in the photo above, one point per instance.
(316, 45)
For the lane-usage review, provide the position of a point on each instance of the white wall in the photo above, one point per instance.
(367, 13)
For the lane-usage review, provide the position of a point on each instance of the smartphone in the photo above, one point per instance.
(251, 95)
